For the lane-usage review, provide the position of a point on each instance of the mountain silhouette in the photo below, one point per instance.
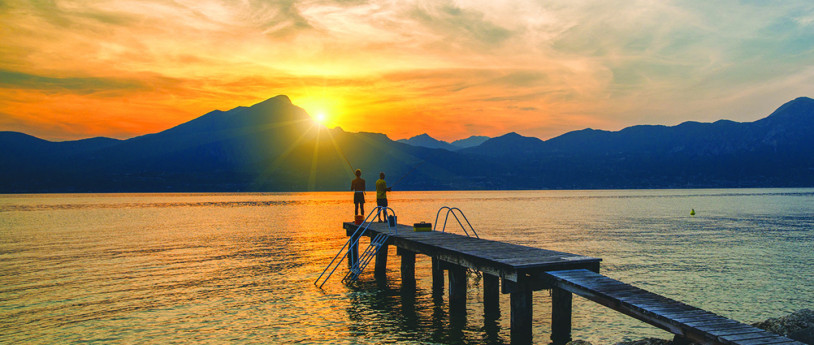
(472, 141)
(275, 146)
(425, 140)
(774, 151)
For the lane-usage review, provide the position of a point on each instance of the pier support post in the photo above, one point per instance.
(457, 290)
(560, 316)
(521, 313)
(437, 276)
(491, 296)
(407, 267)
(353, 252)
(380, 272)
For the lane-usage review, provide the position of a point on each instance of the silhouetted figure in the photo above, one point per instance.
(358, 188)
(381, 196)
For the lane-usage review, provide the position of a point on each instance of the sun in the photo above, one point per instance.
(320, 118)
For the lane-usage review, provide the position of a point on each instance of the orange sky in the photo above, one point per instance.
(118, 68)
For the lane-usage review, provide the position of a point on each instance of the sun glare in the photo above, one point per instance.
(324, 109)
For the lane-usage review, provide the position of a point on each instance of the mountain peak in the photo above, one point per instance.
(472, 141)
(425, 140)
(798, 109)
(279, 99)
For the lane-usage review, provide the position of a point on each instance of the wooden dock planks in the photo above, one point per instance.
(524, 269)
(501, 259)
(695, 324)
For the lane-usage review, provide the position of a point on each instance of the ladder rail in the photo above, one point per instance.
(366, 257)
(352, 242)
(446, 218)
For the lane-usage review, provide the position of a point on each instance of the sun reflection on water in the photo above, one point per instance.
(240, 267)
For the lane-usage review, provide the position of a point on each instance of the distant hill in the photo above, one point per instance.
(425, 140)
(270, 146)
(472, 141)
(275, 146)
(774, 151)
(512, 144)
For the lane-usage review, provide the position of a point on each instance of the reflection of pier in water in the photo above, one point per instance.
(413, 314)
(519, 270)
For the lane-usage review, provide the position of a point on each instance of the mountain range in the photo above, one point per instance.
(425, 140)
(275, 146)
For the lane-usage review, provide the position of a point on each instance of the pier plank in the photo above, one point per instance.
(521, 270)
(497, 258)
(681, 319)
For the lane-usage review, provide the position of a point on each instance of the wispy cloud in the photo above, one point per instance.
(448, 67)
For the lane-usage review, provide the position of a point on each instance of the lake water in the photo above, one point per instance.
(239, 268)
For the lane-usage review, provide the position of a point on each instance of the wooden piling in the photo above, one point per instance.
(437, 276)
(457, 290)
(561, 305)
(491, 295)
(353, 252)
(502, 265)
(407, 267)
(521, 312)
(519, 270)
(380, 272)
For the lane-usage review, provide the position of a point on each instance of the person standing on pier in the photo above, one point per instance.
(358, 188)
(381, 196)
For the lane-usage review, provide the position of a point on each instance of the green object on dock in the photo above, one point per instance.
(423, 226)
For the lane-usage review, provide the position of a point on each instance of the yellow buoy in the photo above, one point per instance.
(692, 213)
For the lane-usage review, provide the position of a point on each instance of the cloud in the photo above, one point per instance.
(82, 85)
(539, 67)
(457, 24)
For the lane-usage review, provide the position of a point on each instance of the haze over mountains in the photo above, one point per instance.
(425, 140)
(274, 146)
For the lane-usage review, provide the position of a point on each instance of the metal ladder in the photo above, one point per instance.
(444, 228)
(357, 267)
(452, 210)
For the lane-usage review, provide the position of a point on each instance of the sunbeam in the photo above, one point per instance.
(312, 176)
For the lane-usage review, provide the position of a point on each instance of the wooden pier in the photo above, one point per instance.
(520, 270)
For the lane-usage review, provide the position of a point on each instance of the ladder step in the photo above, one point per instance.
(364, 259)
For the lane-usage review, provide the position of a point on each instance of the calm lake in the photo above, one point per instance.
(239, 268)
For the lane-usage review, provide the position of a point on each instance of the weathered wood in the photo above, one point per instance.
(521, 313)
(680, 340)
(353, 253)
(380, 271)
(519, 270)
(407, 267)
(491, 295)
(561, 304)
(766, 342)
(437, 276)
(457, 290)
(687, 322)
(496, 258)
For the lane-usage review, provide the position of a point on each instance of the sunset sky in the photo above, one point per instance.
(122, 68)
